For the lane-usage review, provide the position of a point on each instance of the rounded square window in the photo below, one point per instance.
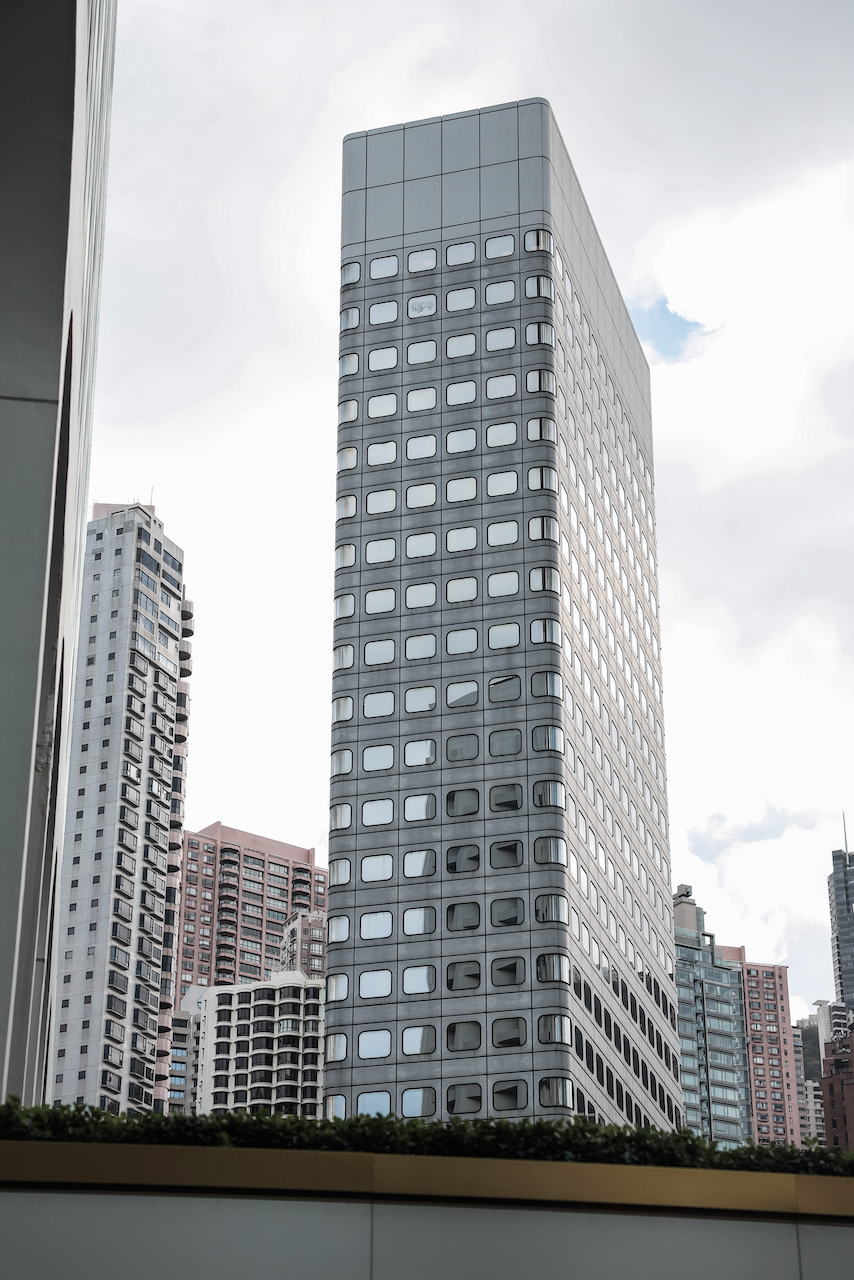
(421, 595)
(464, 1099)
(377, 813)
(417, 1040)
(383, 313)
(380, 501)
(419, 545)
(374, 1104)
(349, 318)
(343, 656)
(547, 684)
(551, 908)
(379, 550)
(505, 853)
(377, 866)
(375, 924)
(502, 291)
(384, 406)
(421, 495)
(505, 798)
(463, 975)
(337, 987)
(464, 746)
(420, 699)
(550, 795)
(382, 453)
(510, 1095)
(460, 345)
(463, 1037)
(419, 808)
(418, 920)
(500, 434)
(382, 358)
(421, 352)
(456, 255)
(338, 928)
(340, 817)
(422, 260)
(339, 869)
(421, 398)
(461, 441)
(509, 1033)
(505, 635)
(506, 913)
(383, 268)
(461, 693)
(336, 1048)
(463, 803)
(420, 647)
(460, 589)
(503, 533)
(348, 364)
(464, 489)
(373, 985)
(496, 388)
(548, 737)
(419, 753)
(508, 971)
(461, 392)
(379, 704)
(503, 584)
(463, 641)
(347, 458)
(461, 858)
(501, 483)
(500, 339)
(351, 273)
(550, 849)
(505, 689)
(378, 652)
(499, 246)
(420, 447)
(418, 308)
(419, 862)
(417, 1102)
(505, 742)
(342, 709)
(419, 980)
(381, 757)
(461, 539)
(345, 507)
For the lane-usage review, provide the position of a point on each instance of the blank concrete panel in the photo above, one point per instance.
(423, 150)
(499, 138)
(81, 1237)
(385, 157)
(460, 197)
(353, 217)
(355, 162)
(384, 215)
(534, 185)
(533, 129)
(499, 190)
(521, 1244)
(825, 1250)
(460, 143)
(422, 205)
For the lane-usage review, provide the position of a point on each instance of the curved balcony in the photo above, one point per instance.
(185, 650)
(187, 610)
(186, 668)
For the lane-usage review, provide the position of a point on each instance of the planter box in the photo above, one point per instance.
(87, 1211)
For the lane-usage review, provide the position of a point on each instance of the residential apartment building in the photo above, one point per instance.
(248, 887)
(840, 893)
(810, 1101)
(500, 932)
(120, 879)
(837, 1085)
(833, 1020)
(777, 1089)
(260, 1047)
(716, 1086)
(56, 75)
(305, 943)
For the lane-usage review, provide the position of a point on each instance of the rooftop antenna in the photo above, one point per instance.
(151, 503)
(844, 831)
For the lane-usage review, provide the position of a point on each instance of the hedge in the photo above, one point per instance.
(566, 1140)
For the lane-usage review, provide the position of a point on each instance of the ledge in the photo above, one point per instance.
(325, 1174)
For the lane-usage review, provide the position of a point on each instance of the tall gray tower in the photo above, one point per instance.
(840, 893)
(500, 932)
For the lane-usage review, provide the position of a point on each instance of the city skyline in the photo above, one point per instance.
(219, 316)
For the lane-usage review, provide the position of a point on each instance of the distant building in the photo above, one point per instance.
(56, 82)
(833, 1019)
(837, 1086)
(840, 892)
(305, 943)
(260, 1048)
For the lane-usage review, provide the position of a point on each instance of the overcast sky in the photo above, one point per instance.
(715, 144)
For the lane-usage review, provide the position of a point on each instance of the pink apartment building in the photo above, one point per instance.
(776, 1072)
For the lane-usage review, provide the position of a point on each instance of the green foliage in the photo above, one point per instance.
(556, 1140)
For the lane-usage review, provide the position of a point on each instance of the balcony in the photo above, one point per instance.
(187, 610)
(186, 668)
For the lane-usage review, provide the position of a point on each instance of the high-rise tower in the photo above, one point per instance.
(500, 932)
(119, 896)
(840, 893)
(56, 77)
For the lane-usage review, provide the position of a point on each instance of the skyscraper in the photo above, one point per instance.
(120, 878)
(500, 932)
(56, 72)
(840, 892)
